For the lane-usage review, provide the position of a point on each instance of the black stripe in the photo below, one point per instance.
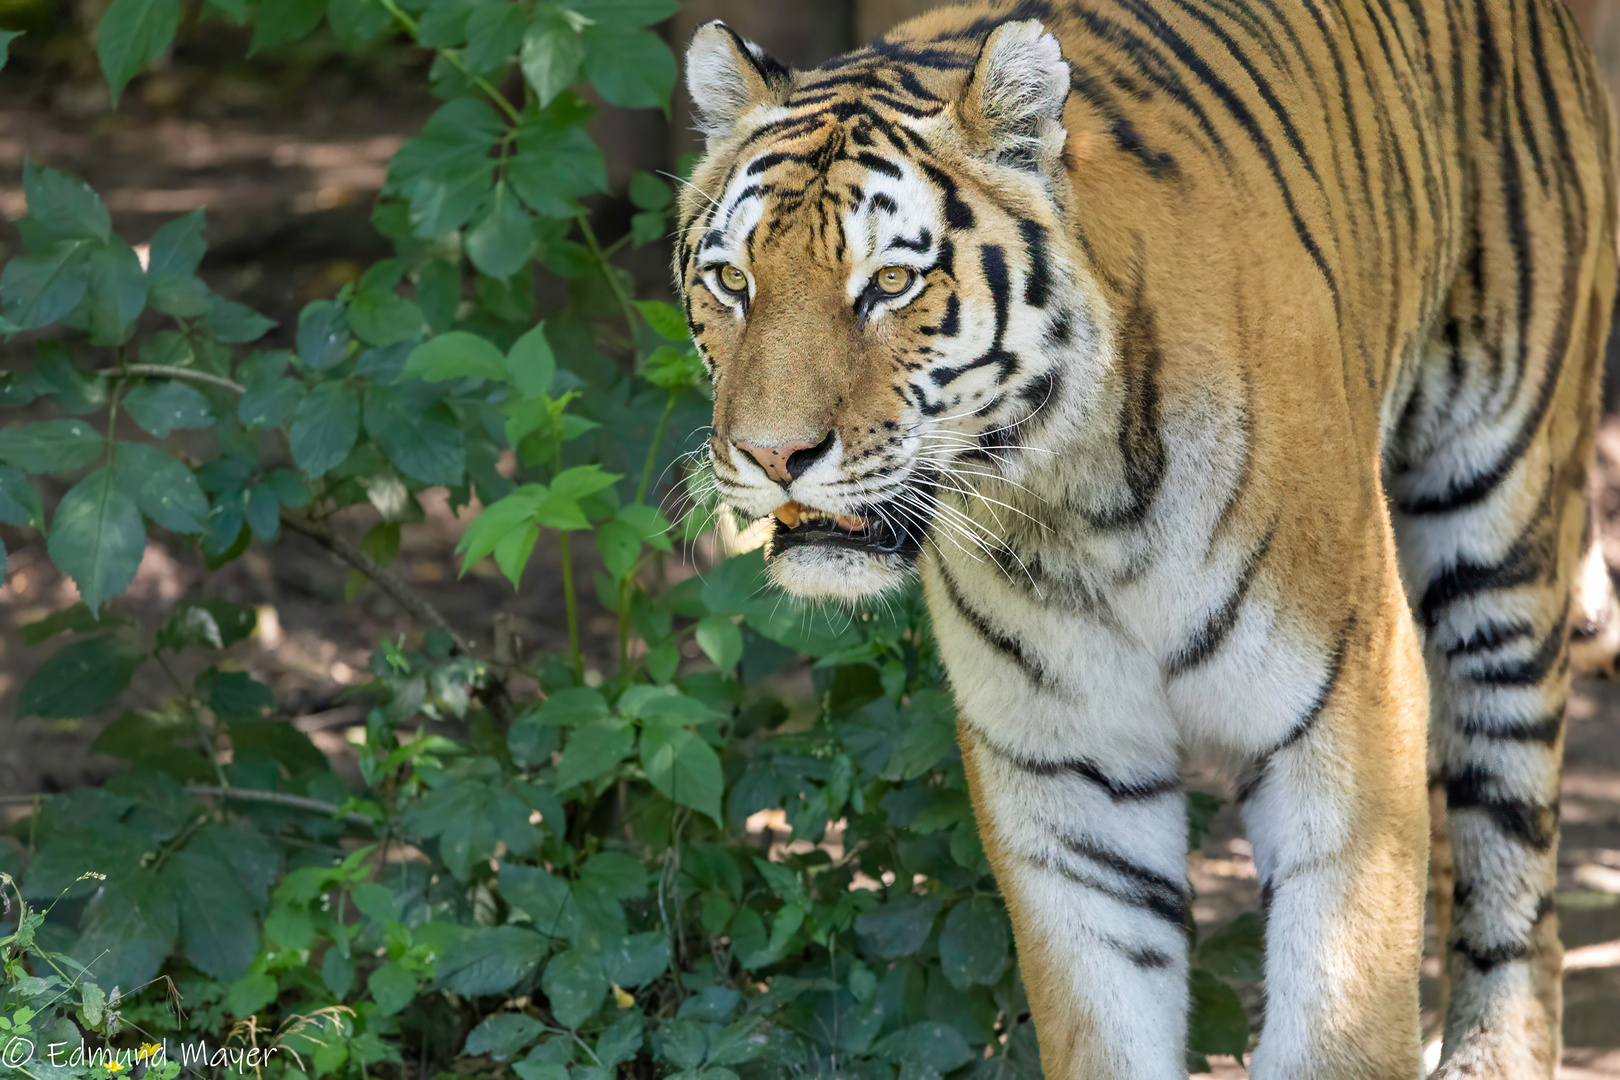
(1141, 444)
(1529, 670)
(1004, 643)
(1038, 281)
(1256, 772)
(958, 214)
(1486, 960)
(1543, 730)
(883, 202)
(1524, 563)
(1525, 820)
(1149, 889)
(1209, 637)
(1490, 636)
(881, 166)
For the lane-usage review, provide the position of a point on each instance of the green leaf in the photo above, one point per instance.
(1236, 951)
(383, 317)
(530, 364)
(250, 993)
(392, 987)
(974, 944)
(490, 960)
(178, 247)
(632, 69)
(324, 428)
(513, 551)
(1217, 1024)
(648, 192)
(116, 295)
(556, 161)
(97, 537)
(899, 927)
(471, 815)
(36, 290)
(425, 445)
(625, 12)
(721, 640)
(323, 335)
(82, 678)
(576, 705)
(638, 959)
(456, 355)
(544, 898)
(281, 21)
(667, 320)
(552, 54)
(236, 323)
(503, 1036)
(234, 695)
(163, 407)
(337, 972)
(165, 490)
(494, 32)
(50, 446)
(935, 1047)
(128, 929)
(6, 38)
(574, 985)
(649, 523)
(20, 502)
(619, 545)
(131, 33)
(445, 172)
(76, 618)
(684, 768)
(358, 22)
(593, 751)
(673, 368)
(500, 241)
(582, 480)
(65, 204)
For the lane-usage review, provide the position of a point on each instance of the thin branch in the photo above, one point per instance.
(278, 798)
(388, 581)
(164, 371)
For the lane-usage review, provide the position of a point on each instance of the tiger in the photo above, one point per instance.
(1227, 371)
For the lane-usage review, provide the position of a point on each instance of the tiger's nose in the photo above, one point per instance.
(786, 462)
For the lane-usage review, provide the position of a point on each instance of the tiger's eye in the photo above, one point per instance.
(733, 279)
(893, 280)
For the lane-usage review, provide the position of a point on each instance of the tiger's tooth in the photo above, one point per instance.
(789, 514)
(851, 522)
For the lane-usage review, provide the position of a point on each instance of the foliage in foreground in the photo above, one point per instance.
(556, 888)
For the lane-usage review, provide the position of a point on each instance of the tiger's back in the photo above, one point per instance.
(1234, 334)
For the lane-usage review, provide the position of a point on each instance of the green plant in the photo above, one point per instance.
(559, 887)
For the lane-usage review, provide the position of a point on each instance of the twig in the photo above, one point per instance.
(278, 798)
(164, 371)
(388, 581)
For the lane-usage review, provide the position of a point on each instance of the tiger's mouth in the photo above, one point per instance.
(889, 529)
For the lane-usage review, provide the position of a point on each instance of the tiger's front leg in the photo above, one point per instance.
(1336, 810)
(1092, 864)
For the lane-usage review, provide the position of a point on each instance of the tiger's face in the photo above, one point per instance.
(877, 275)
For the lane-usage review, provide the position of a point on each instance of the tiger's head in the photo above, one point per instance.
(878, 274)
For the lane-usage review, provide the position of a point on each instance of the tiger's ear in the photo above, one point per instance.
(726, 75)
(1012, 106)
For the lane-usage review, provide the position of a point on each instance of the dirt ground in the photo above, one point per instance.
(287, 176)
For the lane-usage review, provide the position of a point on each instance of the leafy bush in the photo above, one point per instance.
(569, 887)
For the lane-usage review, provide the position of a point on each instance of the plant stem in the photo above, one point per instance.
(573, 609)
(479, 81)
(652, 451)
(277, 798)
(389, 582)
(164, 371)
(606, 267)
